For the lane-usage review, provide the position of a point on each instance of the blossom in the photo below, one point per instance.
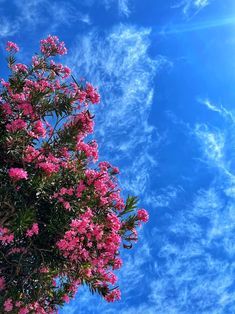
(59, 69)
(66, 205)
(66, 72)
(30, 154)
(32, 231)
(5, 236)
(64, 191)
(8, 306)
(48, 167)
(113, 295)
(26, 108)
(23, 310)
(90, 150)
(16, 125)
(12, 47)
(17, 174)
(114, 221)
(65, 298)
(19, 67)
(92, 94)
(7, 108)
(143, 215)
(38, 129)
(80, 188)
(117, 263)
(52, 46)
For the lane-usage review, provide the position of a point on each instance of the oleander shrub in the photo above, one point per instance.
(62, 217)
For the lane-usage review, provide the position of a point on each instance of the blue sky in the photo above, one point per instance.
(166, 73)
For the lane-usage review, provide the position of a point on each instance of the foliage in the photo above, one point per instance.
(62, 217)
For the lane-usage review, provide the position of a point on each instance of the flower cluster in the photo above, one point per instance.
(33, 230)
(17, 174)
(5, 236)
(52, 46)
(63, 218)
(12, 47)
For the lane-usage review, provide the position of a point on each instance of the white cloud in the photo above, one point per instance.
(225, 113)
(192, 7)
(213, 142)
(123, 6)
(46, 14)
(193, 268)
(194, 249)
(7, 27)
(164, 198)
(218, 147)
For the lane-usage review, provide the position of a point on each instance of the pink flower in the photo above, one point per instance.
(5, 236)
(113, 296)
(16, 125)
(143, 215)
(23, 310)
(90, 150)
(65, 298)
(66, 205)
(38, 129)
(114, 221)
(26, 108)
(92, 94)
(12, 47)
(66, 72)
(30, 154)
(7, 108)
(48, 167)
(51, 46)
(18, 174)
(33, 230)
(80, 188)
(8, 306)
(19, 67)
(64, 191)
(18, 303)
(117, 263)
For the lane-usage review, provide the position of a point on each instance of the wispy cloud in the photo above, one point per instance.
(191, 7)
(194, 268)
(220, 109)
(194, 249)
(49, 15)
(213, 142)
(218, 144)
(7, 27)
(194, 256)
(164, 197)
(123, 7)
